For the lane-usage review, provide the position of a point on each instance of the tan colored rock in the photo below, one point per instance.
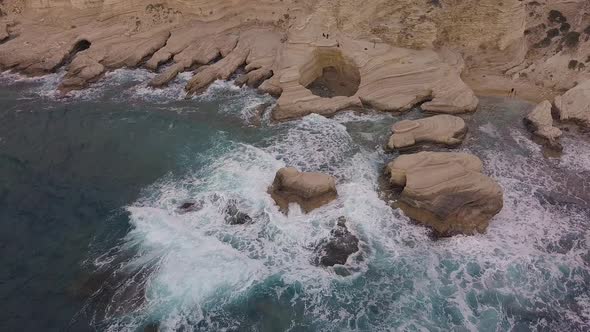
(391, 79)
(37, 50)
(446, 191)
(190, 47)
(255, 48)
(309, 190)
(540, 122)
(111, 53)
(575, 104)
(3, 31)
(397, 51)
(439, 129)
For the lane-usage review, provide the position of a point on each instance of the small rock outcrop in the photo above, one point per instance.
(575, 104)
(190, 206)
(338, 247)
(540, 122)
(234, 216)
(446, 191)
(439, 129)
(309, 190)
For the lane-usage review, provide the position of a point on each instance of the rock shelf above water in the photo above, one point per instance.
(286, 49)
(309, 190)
(446, 191)
(439, 129)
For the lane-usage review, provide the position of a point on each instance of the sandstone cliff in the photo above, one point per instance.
(388, 55)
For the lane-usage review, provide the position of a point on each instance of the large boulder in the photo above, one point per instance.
(439, 129)
(446, 191)
(540, 122)
(338, 246)
(575, 104)
(309, 190)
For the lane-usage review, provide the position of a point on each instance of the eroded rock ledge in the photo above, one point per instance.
(286, 48)
(319, 56)
(442, 129)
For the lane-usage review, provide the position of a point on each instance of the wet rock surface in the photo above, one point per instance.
(234, 216)
(338, 247)
(190, 206)
(446, 191)
(309, 190)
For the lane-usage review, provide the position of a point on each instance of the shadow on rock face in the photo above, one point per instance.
(336, 249)
(333, 74)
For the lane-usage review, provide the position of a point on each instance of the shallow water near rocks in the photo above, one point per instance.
(92, 238)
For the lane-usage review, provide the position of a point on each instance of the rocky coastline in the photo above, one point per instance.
(326, 56)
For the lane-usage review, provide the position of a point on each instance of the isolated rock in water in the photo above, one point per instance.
(309, 190)
(234, 216)
(190, 206)
(336, 249)
(575, 104)
(440, 129)
(388, 56)
(540, 122)
(446, 191)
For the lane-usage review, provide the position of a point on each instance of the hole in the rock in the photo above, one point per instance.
(80, 46)
(330, 74)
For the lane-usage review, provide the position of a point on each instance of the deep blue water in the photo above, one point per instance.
(91, 239)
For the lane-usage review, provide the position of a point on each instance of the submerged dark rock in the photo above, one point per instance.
(234, 216)
(190, 206)
(338, 247)
(151, 327)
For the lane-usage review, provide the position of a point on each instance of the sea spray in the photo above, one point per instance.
(195, 271)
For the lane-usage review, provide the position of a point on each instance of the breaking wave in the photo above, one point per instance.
(529, 271)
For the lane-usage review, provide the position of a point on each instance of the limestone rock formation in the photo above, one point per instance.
(440, 129)
(558, 44)
(540, 122)
(319, 56)
(309, 190)
(111, 53)
(391, 79)
(446, 191)
(338, 247)
(256, 49)
(575, 104)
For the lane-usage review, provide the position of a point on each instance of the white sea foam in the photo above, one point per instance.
(404, 281)
(575, 153)
(489, 129)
